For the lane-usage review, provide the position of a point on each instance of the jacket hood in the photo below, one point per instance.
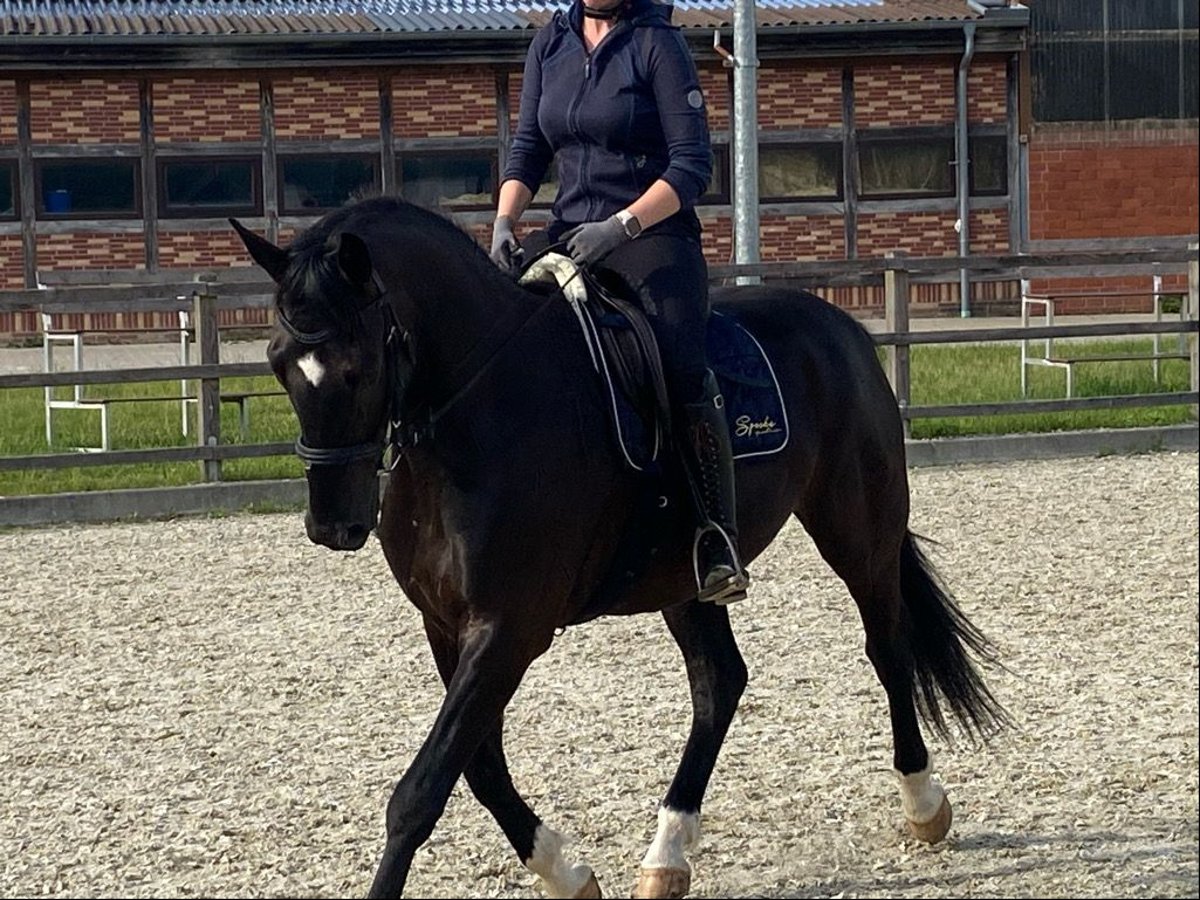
(638, 12)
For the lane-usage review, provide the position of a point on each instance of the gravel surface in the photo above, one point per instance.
(215, 707)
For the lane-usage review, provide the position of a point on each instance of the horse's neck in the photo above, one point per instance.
(464, 320)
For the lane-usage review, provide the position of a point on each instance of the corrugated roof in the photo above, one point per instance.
(182, 18)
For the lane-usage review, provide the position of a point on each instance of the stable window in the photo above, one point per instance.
(203, 188)
(718, 184)
(456, 180)
(83, 188)
(989, 166)
(799, 172)
(905, 167)
(548, 189)
(8, 188)
(317, 184)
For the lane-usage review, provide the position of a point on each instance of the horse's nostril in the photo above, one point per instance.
(356, 535)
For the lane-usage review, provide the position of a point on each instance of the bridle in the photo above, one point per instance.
(402, 426)
(398, 359)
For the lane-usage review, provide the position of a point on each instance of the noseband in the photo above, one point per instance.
(394, 346)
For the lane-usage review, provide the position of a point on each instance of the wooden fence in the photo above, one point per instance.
(211, 290)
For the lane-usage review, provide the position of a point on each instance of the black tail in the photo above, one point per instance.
(941, 637)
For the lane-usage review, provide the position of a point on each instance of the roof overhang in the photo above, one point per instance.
(999, 31)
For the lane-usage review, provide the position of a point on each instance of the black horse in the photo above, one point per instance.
(509, 511)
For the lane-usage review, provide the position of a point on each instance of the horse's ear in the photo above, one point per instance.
(273, 259)
(354, 259)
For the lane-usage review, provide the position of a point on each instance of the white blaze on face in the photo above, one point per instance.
(677, 831)
(559, 878)
(311, 368)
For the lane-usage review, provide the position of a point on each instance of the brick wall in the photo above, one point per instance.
(1090, 182)
(799, 95)
(11, 263)
(917, 234)
(343, 105)
(84, 111)
(445, 101)
(987, 91)
(206, 110)
(714, 81)
(8, 112)
(1086, 183)
(91, 250)
(185, 249)
(906, 91)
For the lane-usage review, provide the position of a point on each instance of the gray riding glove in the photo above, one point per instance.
(592, 241)
(505, 249)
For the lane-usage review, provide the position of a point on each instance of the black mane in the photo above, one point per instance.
(311, 273)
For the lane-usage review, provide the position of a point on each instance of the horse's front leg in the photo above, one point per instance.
(538, 847)
(717, 676)
(492, 661)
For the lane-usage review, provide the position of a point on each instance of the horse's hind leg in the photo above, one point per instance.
(537, 846)
(887, 626)
(917, 637)
(864, 550)
(717, 676)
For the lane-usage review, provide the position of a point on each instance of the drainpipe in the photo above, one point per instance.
(962, 170)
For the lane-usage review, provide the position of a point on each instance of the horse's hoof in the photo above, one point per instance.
(936, 828)
(663, 883)
(590, 891)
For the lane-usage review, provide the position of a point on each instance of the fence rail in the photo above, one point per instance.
(210, 289)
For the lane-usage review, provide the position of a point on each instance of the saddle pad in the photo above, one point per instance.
(753, 404)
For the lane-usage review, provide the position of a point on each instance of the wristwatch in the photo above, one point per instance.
(630, 223)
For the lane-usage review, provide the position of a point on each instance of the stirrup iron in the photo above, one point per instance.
(723, 583)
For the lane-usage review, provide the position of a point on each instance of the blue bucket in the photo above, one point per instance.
(58, 201)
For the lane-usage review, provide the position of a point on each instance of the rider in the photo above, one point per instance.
(611, 91)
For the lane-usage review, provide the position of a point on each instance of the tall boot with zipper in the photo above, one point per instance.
(720, 577)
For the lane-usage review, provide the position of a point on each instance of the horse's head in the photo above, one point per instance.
(335, 351)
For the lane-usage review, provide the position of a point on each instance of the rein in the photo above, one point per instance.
(415, 433)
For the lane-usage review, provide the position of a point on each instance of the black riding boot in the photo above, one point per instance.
(719, 573)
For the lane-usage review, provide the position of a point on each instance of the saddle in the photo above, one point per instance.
(625, 355)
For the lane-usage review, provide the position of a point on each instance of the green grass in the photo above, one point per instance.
(941, 374)
(991, 373)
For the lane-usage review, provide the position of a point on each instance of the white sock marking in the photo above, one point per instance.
(920, 794)
(312, 369)
(676, 833)
(559, 878)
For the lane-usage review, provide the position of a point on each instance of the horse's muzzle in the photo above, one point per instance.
(337, 535)
(343, 505)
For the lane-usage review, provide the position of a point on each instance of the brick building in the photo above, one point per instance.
(129, 131)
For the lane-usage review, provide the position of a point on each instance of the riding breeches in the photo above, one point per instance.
(668, 278)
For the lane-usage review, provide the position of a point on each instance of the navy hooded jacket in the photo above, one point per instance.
(619, 120)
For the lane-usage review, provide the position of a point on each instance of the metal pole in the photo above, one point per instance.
(1193, 313)
(962, 159)
(895, 292)
(745, 137)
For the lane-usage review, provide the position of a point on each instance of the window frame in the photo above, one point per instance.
(840, 181)
(866, 140)
(723, 172)
(282, 157)
(973, 189)
(167, 211)
(14, 184)
(44, 215)
(441, 153)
